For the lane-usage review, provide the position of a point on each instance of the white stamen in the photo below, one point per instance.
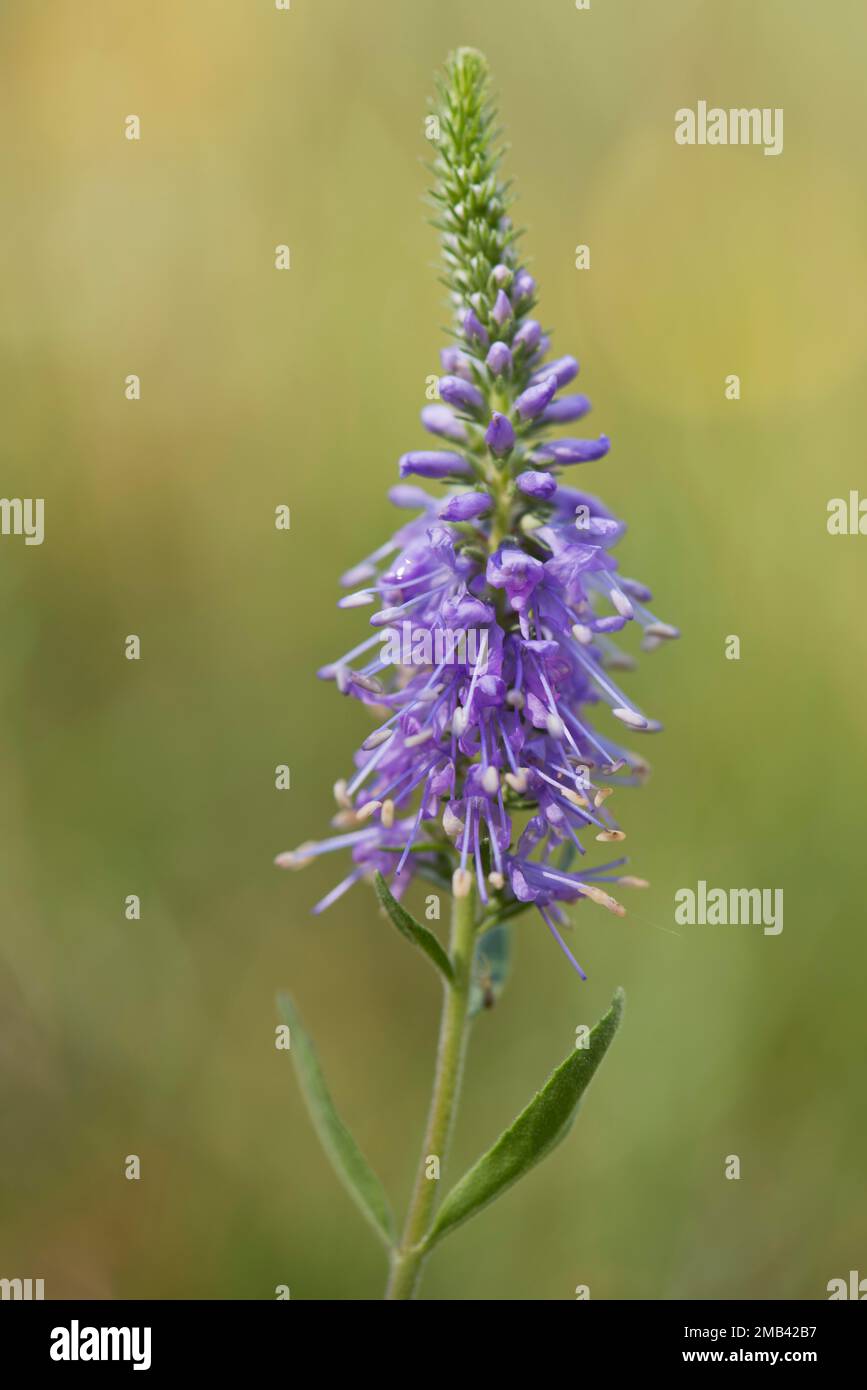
(596, 895)
(517, 780)
(387, 816)
(607, 836)
(629, 882)
(496, 880)
(296, 858)
(555, 726)
(491, 781)
(663, 630)
(515, 699)
(602, 795)
(385, 616)
(376, 738)
(423, 736)
(367, 810)
(357, 575)
(462, 883)
(582, 634)
(369, 683)
(630, 717)
(575, 797)
(622, 604)
(340, 794)
(452, 824)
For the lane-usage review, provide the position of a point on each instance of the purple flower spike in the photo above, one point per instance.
(564, 369)
(524, 286)
(438, 419)
(534, 484)
(564, 410)
(473, 330)
(433, 464)
(502, 310)
(528, 335)
(573, 450)
(500, 435)
(533, 401)
(490, 649)
(499, 359)
(465, 506)
(461, 394)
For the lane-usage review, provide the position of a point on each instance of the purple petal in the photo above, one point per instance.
(499, 359)
(528, 335)
(573, 450)
(464, 506)
(564, 369)
(461, 394)
(500, 435)
(473, 330)
(438, 419)
(502, 310)
(428, 463)
(535, 484)
(565, 409)
(533, 401)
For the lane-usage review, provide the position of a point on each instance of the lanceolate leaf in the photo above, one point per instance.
(537, 1130)
(413, 930)
(347, 1159)
(492, 965)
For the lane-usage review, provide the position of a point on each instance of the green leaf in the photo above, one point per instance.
(492, 965)
(537, 1130)
(347, 1159)
(413, 930)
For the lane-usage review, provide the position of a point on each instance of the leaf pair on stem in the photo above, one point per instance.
(539, 1128)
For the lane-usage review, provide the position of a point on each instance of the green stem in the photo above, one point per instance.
(409, 1257)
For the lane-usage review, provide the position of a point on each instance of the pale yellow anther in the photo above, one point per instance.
(423, 736)
(491, 781)
(602, 899)
(575, 797)
(296, 858)
(517, 780)
(462, 883)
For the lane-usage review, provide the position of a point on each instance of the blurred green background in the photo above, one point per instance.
(157, 778)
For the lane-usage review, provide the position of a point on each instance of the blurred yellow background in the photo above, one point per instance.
(156, 257)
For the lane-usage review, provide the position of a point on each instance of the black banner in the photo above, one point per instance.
(155, 1338)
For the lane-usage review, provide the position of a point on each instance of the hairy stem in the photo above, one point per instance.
(409, 1257)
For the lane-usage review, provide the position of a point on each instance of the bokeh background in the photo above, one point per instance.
(156, 1037)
